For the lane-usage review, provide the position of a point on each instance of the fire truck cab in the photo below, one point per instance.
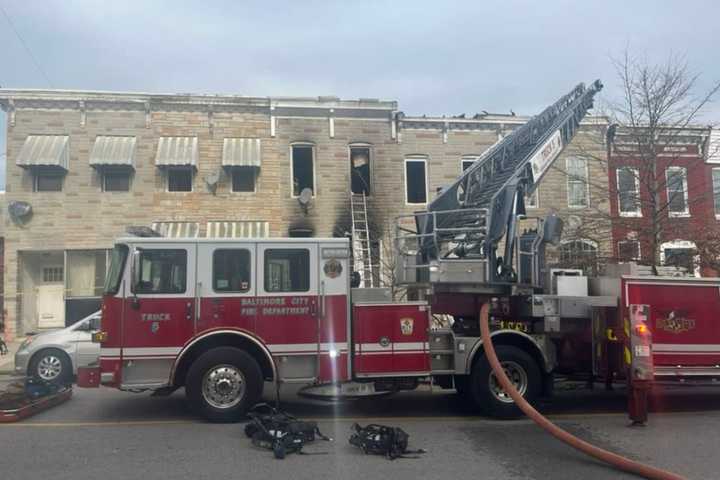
(221, 316)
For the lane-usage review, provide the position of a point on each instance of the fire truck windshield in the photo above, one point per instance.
(117, 263)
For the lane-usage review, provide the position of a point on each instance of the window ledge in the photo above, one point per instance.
(631, 214)
(678, 215)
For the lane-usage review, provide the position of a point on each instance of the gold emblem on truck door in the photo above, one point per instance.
(675, 322)
(406, 325)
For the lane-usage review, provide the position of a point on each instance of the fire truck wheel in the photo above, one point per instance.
(223, 383)
(486, 391)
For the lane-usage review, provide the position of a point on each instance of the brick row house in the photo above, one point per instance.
(684, 174)
(84, 166)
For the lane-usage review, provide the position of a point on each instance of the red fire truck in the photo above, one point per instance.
(221, 317)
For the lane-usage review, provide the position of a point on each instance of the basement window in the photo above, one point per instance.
(415, 181)
(303, 168)
(48, 182)
(180, 179)
(243, 179)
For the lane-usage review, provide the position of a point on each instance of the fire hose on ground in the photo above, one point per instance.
(613, 459)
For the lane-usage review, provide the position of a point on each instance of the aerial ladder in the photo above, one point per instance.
(469, 219)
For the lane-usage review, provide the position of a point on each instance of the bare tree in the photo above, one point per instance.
(650, 125)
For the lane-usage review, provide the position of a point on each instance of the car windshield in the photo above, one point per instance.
(117, 263)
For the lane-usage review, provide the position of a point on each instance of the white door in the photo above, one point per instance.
(50, 306)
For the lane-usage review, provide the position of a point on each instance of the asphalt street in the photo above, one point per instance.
(108, 434)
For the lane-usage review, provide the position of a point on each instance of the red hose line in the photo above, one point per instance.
(613, 459)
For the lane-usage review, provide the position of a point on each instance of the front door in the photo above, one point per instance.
(50, 298)
(287, 307)
(159, 310)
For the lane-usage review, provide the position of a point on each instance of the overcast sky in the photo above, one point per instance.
(433, 57)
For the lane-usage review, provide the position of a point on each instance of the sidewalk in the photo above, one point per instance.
(7, 362)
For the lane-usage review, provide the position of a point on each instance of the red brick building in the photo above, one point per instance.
(684, 175)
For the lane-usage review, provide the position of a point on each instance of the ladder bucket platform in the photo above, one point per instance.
(18, 402)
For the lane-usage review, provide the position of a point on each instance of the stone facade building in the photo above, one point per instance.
(83, 166)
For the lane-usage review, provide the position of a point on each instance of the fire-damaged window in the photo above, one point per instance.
(360, 169)
(415, 180)
(287, 270)
(303, 169)
(180, 179)
(243, 179)
(162, 271)
(231, 270)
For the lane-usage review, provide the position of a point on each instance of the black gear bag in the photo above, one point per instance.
(279, 431)
(392, 442)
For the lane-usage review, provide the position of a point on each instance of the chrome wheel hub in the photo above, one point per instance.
(518, 377)
(223, 386)
(49, 368)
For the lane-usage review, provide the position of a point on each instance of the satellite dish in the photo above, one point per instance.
(20, 212)
(304, 198)
(212, 180)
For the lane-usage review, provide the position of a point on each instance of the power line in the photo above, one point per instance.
(25, 46)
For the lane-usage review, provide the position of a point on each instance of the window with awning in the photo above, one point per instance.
(113, 151)
(45, 151)
(177, 152)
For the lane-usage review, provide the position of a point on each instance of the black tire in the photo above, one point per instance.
(461, 384)
(46, 358)
(482, 394)
(235, 361)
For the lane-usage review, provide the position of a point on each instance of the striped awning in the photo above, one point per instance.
(45, 151)
(177, 151)
(113, 151)
(177, 229)
(238, 229)
(241, 152)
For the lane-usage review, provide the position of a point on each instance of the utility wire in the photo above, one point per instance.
(25, 46)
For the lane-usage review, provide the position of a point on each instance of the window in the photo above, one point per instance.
(360, 170)
(231, 270)
(243, 179)
(85, 272)
(577, 182)
(579, 254)
(415, 181)
(531, 201)
(716, 189)
(162, 271)
(303, 169)
(52, 274)
(180, 179)
(680, 257)
(467, 161)
(677, 191)
(287, 270)
(628, 185)
(629, 250)
(117, 266)
(116, 180)
(48, 182)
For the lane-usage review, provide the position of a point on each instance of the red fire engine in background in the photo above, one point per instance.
(221, 317)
